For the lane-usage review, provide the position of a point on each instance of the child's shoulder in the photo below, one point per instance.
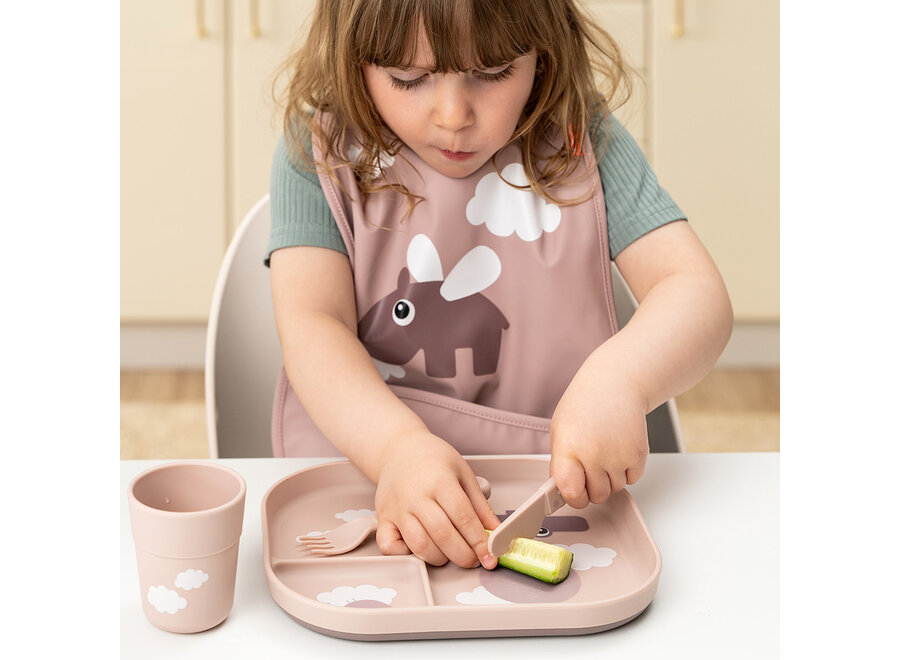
(606, 124)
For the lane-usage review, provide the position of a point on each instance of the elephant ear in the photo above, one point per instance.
(403, 278)
(423, 260)
(476, 271)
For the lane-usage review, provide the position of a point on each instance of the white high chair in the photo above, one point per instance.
(243, 354)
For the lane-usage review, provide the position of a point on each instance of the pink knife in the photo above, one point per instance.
(525, 522)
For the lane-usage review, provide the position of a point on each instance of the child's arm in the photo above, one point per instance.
(684, 320)
(427, 499)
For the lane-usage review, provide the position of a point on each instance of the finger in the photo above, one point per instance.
(470, 527)
(637, 464)
(442, 524)
(389, 539)
(617, 480)
(570, 479)
(632, 474)
(419, 541)
(478, 501)
(598, 486)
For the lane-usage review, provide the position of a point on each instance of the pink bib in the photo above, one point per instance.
(477, 308)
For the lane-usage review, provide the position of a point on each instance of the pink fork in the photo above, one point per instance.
(349, 535)
(342, 539)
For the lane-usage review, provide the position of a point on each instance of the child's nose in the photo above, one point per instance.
(452, 105)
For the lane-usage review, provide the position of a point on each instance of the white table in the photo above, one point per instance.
(714, 518)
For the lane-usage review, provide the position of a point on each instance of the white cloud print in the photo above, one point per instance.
(343, 596)
(479, 596)
(587, 556)
(385, 160)
(191, 579)
(353, 514)
(504, 209)
(165, 600)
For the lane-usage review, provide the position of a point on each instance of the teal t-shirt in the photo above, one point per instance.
(635, 202)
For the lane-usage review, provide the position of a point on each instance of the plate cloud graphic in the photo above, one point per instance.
(353, 514)
(479, 596)
(342, 596)
(314, 532)
(504, 209)
(587, 555)
(165, 600)
(191, 579)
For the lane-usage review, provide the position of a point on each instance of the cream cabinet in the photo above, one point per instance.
(705, 112)
(172, 159)
(626, 21)
(198, 129)
(263, 32)
(714, 135)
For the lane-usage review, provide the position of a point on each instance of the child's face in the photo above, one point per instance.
(455, 122)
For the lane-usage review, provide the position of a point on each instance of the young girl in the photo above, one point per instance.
(448, 195)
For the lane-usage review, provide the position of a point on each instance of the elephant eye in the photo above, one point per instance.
(403, 312)
(543, 532)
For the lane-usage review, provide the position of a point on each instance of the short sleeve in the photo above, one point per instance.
(300, 212)
(635, 202)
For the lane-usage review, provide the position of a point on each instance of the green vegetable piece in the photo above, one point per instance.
(540, 560)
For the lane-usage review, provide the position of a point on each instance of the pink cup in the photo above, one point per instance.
(186, 520)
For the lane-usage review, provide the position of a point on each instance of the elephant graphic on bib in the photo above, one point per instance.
(438, 315)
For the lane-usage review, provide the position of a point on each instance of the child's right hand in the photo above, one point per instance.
(428, 502)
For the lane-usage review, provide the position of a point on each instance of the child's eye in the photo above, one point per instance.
(400, 83)
(495, 74)
(489, 75)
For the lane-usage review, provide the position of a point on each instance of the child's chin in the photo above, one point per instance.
(458, 170)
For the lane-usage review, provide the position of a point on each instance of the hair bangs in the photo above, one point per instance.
(384, 33)
(457, 35)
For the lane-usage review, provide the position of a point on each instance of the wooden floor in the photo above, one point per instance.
(163, 416)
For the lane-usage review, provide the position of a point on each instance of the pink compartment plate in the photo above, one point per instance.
(366, 595)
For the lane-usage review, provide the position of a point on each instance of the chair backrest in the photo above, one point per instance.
(243, 354)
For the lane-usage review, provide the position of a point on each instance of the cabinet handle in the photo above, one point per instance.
(200, 17)
(677, 27)
(254, 19)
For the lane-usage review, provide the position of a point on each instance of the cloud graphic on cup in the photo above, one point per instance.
(165, 600)
(343, 596)
(479, 596)
(191, 579)
(353, 514)
(504, 209)
(588, 556)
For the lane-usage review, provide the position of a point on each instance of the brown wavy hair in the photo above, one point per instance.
(580, 73)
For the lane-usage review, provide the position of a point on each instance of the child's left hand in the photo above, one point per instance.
(598, 438)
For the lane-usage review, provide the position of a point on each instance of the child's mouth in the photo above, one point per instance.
(457, 155)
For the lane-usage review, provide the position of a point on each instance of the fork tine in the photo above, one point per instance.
(314, 541)
(319, 546)
(343, 539)
(327, 552)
